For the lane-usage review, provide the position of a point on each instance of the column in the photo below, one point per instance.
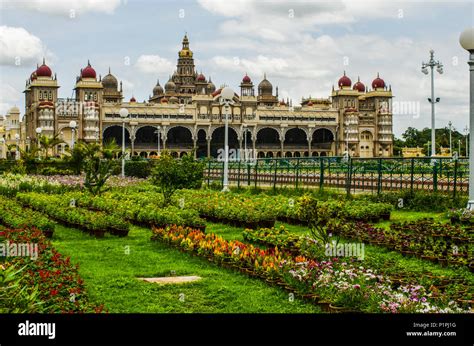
(132, 143)
(208, 147)
(282, 140)
(195, 147)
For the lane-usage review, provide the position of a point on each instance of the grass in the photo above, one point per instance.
(375, 256)
(110, 277)
(111, 265)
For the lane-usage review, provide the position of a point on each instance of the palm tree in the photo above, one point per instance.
(48, 143)
(109, 149)
(29, 155)
(11, 148)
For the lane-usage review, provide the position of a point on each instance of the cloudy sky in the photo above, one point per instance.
(302, 46)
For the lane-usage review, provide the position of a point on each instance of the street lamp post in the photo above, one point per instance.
(38, 134)
(227, 94)
(450, 124)
(158, 128)
(73, 126)
(459, 148)
(439, 67)
(466, 131)
(467, 42)
(17, 152)
(2, 142)
(245, 142)
(123, 114)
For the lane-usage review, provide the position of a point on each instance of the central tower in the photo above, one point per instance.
(185, 75)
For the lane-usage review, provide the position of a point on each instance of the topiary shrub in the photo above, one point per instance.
(138, 168)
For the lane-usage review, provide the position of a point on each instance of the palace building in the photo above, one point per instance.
(186, 113)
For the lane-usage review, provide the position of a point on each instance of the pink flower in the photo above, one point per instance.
(356, 286)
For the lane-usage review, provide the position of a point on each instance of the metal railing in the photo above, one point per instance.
(353, 174)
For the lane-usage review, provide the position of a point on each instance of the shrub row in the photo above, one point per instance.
(14, 215)
(139, 208)
(96, 223)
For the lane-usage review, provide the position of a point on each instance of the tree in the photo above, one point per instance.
(171, 174)
(97, 165)
(76, 157)
(48, 143)
(11, 151)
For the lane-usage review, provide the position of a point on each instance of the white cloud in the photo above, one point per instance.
(64, 7)
(273, 67)
(9, 97)
(18, 47)
(154, 64)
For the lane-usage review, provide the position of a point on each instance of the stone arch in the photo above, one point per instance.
(179, 137)
(366, 144)
(115, 132)
(201, 143)
(268, 137)
(295, 137)
(322, 138)
(217, 140)
(146, 137)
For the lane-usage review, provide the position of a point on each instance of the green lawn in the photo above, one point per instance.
(110, 277)
(110, 273)
(375, 256)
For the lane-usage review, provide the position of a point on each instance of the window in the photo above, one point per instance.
(50, 95)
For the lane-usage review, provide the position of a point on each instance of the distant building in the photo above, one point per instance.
(189, 115)
(10, 132)
(412, 152)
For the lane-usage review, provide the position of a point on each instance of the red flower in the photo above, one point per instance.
(54, 292)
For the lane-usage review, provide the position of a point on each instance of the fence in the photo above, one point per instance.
(353, 174)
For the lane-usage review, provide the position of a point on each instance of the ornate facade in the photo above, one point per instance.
(188, 116)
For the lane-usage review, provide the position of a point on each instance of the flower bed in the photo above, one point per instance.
(14, 215)
(233, 209)
(96, 223)
(455, 287)
(139, 208)
(51, 281)
(10, 184)
(328, 282)
(434, 241)
(292, 210)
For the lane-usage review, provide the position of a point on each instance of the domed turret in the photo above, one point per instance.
(132, 100)
(359, 86)
(185, 52)
(265, 87)
(44, 71)
(344, 81)
(210, 86)
(170, 86)
(109, 81)
(201, 78)
(378, 83)
(157, 90)
(246, 79)
(88, 71)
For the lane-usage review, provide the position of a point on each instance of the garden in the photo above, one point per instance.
(99, 235)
